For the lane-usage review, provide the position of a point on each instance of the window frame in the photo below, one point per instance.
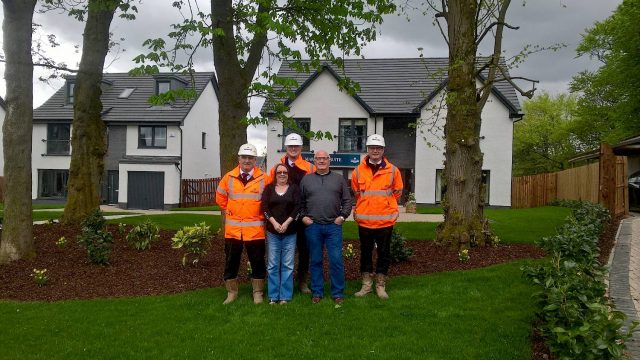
(44, 174)
(70, 92)
(341, 141)
(204, 140)
(153, 145)
(158, 82)
(486, 179)
(51, 150)
(306, 142)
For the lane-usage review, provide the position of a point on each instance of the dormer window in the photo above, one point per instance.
(163, 86)
(70, 94)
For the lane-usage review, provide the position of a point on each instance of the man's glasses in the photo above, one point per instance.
(282, 172)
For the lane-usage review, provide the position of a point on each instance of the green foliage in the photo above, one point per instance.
(62, 242)
(40, 277)
(399, 252)
(194, 240)
(576, 319)
(610, 97)
(96, 238)
(142, 235)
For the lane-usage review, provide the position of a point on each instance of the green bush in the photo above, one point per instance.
(576, 319)
(95, 238)
(142, 235)
(399, 252)
(194, 240)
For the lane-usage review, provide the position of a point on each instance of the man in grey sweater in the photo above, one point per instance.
(326, 203)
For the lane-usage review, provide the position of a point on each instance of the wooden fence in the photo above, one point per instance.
(199, 192)
(2, 189)
(603, 182)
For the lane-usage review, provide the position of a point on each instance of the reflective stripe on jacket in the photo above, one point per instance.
(241, 204)
(376, 195)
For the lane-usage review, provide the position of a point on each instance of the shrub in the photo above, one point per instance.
(194, 240)
(577, 321)
(40, 277)
(399, 252)
(142, 235)
(62, 242)
(95, 238)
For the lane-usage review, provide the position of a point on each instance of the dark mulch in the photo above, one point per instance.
(159, 270)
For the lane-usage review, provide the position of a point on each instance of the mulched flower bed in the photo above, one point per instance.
(159, 270)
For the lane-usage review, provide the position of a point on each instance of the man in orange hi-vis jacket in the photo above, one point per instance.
(298, 168)
(238, 195)
(377, 185)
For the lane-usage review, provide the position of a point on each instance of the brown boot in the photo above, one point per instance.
(232, 291)
(367, 283)
(380, 287)
(303, 283)
(258, 290)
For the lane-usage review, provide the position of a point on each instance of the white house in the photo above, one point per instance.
(151, 148)
(401, 99)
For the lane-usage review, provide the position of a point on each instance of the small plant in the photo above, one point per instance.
(122, 229)
(142, 235)
(194, 240)
(494, 240)
(249, 269)
(463, 255)
(410, 203)
(95, 238)
(348, 252)
(40, 277)
(399, 252)
(62, 242)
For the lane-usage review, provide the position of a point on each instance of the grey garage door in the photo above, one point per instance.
(145, 190)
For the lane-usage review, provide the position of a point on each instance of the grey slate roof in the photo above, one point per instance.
(134, 109)
(395, 86)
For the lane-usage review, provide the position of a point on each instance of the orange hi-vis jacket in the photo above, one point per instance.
(241, 204)
(300, 163)
(376, 195)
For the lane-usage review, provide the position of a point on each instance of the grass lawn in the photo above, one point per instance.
(478, 314)
(201, 208)
(429, 210)
(40, 206)
(511, 225)
(50, 215)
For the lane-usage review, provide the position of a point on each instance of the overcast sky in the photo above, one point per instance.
(541, 22)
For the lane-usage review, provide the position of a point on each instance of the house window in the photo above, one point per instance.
(305, 125)
(163, 87)
(441, 188)
(58, 136)
(52, 183)
(70, 93)
(204, 140)
(352, 135)
(152, 137)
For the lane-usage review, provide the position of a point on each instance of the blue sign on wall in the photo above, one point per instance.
(338, 160)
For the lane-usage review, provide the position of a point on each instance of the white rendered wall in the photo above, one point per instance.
(198, 163)
(3, 113)
(171, 180)
(497, 129)
(324, 103)
(173, 142)
(39, 159)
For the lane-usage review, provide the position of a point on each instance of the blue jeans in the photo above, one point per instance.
(329, 235)
(281, 250)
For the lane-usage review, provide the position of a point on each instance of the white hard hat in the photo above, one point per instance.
(248, 149)
(375, 140)
(293, 139)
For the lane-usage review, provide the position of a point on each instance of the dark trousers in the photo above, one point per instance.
(233, 253)
(382, 239)
(303, 251)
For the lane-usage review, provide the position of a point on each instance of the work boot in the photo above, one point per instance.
(232, 291)
(303, 283)
(367, 283)
(380, 284)
(258, 290)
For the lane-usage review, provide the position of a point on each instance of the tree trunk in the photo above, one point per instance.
(88, 141)
(464, 224)
(17, 233)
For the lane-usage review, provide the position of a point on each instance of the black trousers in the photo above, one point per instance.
(303, 250)
(380, 237)
(233, 253)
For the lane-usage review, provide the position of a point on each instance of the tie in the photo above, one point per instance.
(245, 177)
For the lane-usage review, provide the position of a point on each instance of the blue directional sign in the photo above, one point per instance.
(338, 160)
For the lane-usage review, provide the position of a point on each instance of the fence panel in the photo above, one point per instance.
(533, 190)
(199, 192)
(622, 189)
(2, 189)
(581, 183)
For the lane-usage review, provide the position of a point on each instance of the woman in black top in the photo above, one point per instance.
(281, 206)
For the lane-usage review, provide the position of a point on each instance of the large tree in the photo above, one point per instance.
(609, 100)
(468, 22)
(17, 234)
(244, 33)
(88, 140)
